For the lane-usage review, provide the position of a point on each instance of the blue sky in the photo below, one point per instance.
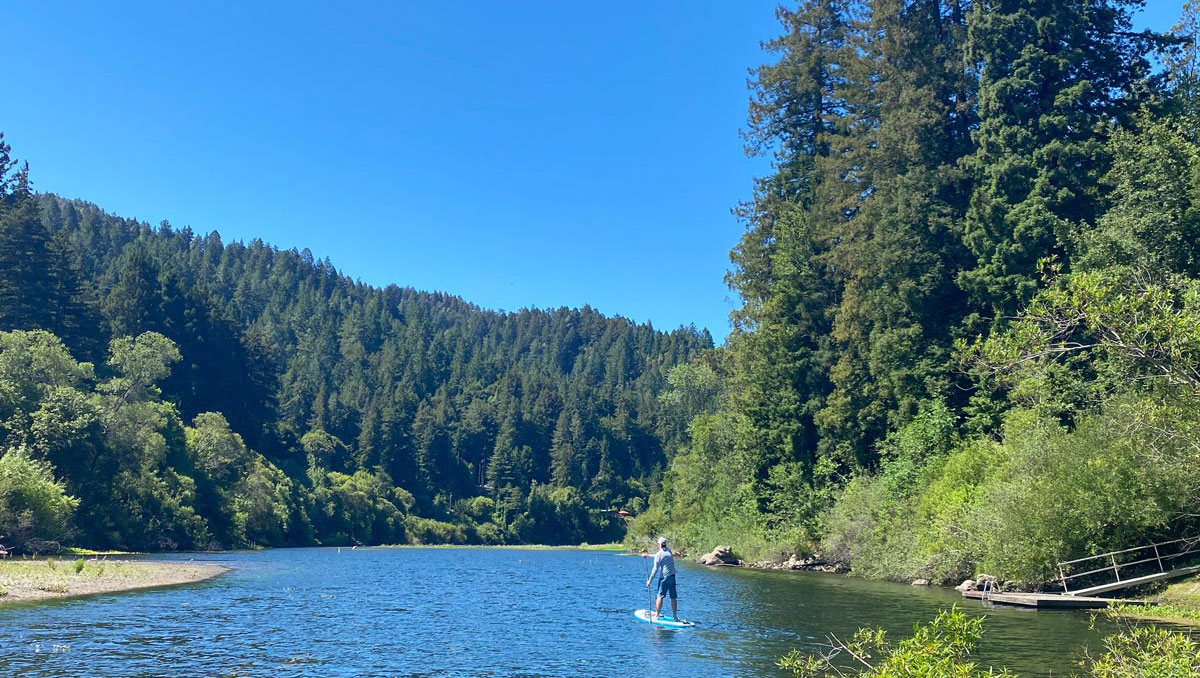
(515, 153)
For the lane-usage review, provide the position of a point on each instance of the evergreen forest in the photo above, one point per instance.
(160, 390)
(969, 337)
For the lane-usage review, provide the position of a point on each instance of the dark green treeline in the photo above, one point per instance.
(271, 399)
(917, 365)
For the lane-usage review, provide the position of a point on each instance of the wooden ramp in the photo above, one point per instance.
(1172, 559)
(1147, 579)
(1048, 601)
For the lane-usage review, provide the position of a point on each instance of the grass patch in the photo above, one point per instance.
(56, 576)
(34, 579)
(1179, 603)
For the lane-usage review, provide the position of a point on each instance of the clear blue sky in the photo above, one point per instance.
(515, 153)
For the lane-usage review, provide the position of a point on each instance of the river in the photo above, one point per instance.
(489, 612)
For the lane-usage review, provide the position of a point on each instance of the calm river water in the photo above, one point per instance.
(487, 612)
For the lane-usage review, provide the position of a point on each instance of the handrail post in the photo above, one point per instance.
(1159, 559)
(1063, 577)
(1116, 570)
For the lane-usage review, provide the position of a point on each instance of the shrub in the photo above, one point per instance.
(429, 531)
(33, 505)
(1148, 652)
(1015, 507)
(871, 529)
(938, 649)
(941, 649)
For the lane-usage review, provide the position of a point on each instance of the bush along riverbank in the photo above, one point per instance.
(944, 647)
(42, 579)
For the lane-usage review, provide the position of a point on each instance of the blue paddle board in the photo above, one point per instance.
(670, 622)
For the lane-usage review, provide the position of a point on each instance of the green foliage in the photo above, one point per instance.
(873, 525)
(322, 410)
(1005, 182)
(429, 531)
(1148, 652)
(359, 508)
(939, 649)
(1120, 323)
(692, 389)
(870, 529)
(555, 516)
(33, 505)
(139, 363)
(1054, 75)
(1154, 219)
(942, 649)
(1014, 508)
(40, 286)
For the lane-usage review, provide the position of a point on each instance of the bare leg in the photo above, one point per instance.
(675, 609)
(657, 607)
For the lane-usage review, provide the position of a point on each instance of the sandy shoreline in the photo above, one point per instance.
(48, 579)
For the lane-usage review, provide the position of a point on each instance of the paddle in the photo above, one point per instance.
(649, 596)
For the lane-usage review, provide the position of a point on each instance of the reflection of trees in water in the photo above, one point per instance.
(753, 615)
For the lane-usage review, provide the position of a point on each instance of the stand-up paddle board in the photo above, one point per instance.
(670, 622)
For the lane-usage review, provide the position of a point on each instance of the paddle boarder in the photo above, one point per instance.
(664, 565)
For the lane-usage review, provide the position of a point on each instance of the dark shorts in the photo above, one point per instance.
(666, 586)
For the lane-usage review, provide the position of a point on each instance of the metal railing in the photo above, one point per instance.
(1162, 554)
(989, 588)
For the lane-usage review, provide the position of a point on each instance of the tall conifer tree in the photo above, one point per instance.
(1054, 75)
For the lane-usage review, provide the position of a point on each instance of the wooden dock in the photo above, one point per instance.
(1049, 601)
(1173, 554)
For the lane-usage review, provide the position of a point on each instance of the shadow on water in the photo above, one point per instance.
(498, 612)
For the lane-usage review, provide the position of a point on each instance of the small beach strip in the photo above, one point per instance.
(48, 578)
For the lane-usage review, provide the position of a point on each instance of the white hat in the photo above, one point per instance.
(662, 541)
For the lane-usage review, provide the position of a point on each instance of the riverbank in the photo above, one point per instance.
(50, 578)
(1178, 604)
(528, 547)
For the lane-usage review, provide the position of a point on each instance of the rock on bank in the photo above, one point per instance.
(723, 556)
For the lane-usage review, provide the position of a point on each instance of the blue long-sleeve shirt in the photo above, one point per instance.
(664, 560)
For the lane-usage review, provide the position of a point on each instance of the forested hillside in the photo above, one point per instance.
(969, 333)
(164, 390)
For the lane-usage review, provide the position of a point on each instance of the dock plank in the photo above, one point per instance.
(1126, 583)
(1049, 601)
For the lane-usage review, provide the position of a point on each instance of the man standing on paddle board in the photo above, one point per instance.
(664, 562)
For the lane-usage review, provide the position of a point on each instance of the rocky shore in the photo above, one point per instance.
(43, 579)
(723, 556)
